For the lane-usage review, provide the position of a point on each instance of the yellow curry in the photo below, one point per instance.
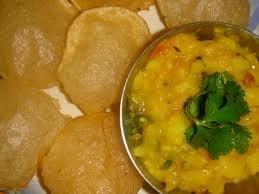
(157, 96)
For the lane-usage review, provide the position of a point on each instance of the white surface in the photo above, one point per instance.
(153, 20)
(65, 106)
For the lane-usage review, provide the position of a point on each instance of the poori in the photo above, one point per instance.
(101, 45)
(134, 5)
(32, 36)
(88, 157)
(29, 121)
(179, 12)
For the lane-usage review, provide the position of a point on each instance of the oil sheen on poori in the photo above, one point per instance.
(157, 98)
(29, 122)
(179, 12)
(101, 45)
(32, 36)
(88, 157)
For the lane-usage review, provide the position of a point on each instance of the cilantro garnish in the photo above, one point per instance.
(215, 112)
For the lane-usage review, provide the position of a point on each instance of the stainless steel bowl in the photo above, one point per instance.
(204, 31)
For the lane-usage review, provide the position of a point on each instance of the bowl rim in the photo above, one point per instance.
(150, 46)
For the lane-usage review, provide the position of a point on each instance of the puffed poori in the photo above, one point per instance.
(32, 36)
(88, 157)
(29, 121)
(179, 12)
(135, 5)
(101, 45)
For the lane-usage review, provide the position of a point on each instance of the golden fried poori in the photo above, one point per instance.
(29, 121)
(101, 45)
(179, 12)
(88, 157)
(32, 36)
(135, 5)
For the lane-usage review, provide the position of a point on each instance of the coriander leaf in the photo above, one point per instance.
(215, 112)
(212, 104)
(242, 138)
(213, 83)
(235, 106)
(226, 114)
(215, 89)
(189, 132)
(230, 136)
(200, 137)
(221, 142)
(237, 95)
(192, 108)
